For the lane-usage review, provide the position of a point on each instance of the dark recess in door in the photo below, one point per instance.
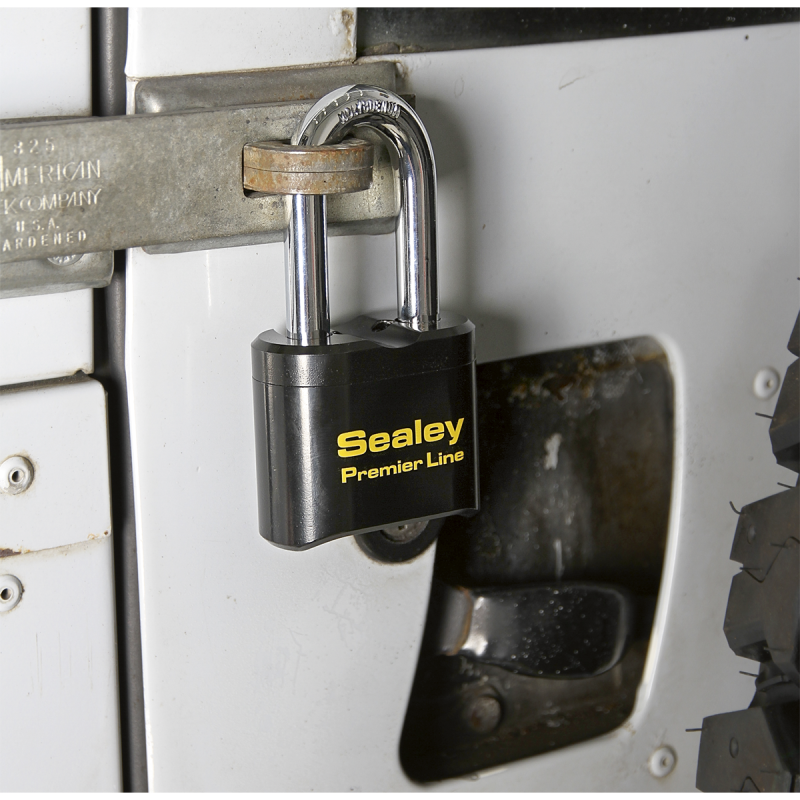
(576, 457)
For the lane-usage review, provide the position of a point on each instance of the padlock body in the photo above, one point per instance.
(377, 428)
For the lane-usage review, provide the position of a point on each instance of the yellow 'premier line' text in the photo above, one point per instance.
(401, 466)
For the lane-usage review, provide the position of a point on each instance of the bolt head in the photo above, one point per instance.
(484, 713)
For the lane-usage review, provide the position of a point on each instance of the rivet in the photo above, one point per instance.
(16, 475)
(766, 383)
(66, 261)
(10, 592)
(662, 761)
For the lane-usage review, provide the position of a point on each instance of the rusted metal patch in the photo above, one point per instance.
(278, 168)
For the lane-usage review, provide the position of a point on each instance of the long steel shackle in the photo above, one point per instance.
(335, 115)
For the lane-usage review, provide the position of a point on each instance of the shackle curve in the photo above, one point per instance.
(328, 122)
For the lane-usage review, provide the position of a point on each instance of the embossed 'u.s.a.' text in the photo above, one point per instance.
(363, 107)
(15, 177)
(39, 234)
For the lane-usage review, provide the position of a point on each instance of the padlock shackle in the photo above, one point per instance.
(329, 121)
(308, 318)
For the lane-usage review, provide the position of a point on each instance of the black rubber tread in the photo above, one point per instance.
(794, 340)
(773, 687)
(784, 431)
(757, 749)
(754, 545)
(761, 621)
(750, 750)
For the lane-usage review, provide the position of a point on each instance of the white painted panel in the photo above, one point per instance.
(58, 657)
(61, 430)
(47, 336)
(58, 694)
(177, 41)
(59, 704)
(45, 70)
(327, 633)
(588, 191)
(45, 62)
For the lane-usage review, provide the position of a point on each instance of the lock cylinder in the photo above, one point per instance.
(373, 424)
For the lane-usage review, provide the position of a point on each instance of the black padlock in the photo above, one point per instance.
(374, 424)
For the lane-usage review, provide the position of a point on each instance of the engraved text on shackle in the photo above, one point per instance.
(37, 187)
(362, 107)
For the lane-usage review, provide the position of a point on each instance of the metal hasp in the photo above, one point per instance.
(180, 174)
(371, 425)
(168, 178)
(330, 120)
(57, 274)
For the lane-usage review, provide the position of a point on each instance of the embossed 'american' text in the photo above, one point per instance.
(31, 174)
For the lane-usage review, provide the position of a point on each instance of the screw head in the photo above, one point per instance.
(662, 761)
(10, 592)
(16, 475)
(405, 533)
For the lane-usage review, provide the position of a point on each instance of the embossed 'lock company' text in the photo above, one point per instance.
(50, 202)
